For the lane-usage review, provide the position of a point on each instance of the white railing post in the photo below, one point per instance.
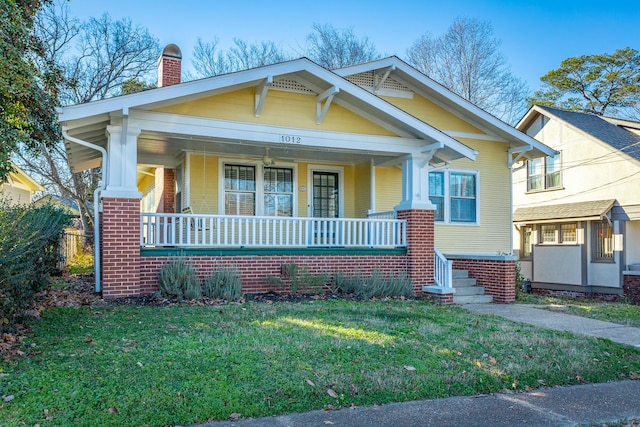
(443, 270)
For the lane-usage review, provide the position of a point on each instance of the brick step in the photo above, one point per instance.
(472, 299)
(469, 290)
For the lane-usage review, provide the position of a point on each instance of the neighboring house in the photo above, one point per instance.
(370, 166)
(68, 205)
(19, 188)
(577, 213)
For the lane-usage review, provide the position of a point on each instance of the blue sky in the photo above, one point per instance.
(536, 35)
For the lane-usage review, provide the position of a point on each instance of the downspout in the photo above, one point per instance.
(96, 209)
(510, 162)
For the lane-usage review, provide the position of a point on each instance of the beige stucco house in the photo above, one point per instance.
(577, 213)
(365, 167)
(19, 188)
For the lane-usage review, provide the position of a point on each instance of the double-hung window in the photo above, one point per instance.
(544, 173)
(455, 195)
(257, 190)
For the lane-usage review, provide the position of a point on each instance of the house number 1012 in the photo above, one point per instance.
(290, 139)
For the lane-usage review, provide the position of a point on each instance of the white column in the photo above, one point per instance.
(415, 184)
(122, 152)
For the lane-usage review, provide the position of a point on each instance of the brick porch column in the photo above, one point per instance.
(120, 247)
(165, 182)
(420, 240)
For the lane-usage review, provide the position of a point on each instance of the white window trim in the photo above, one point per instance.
(447, 199)
(259, 182)
(325, 168)
(544, 174)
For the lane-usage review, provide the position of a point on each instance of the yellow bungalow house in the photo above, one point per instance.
(19, 188)
(370, 166)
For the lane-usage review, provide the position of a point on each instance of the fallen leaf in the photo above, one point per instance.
(88, 339)
(235, 416)
(8, 398)
(126, 349)
(478, 364)
(634, 376)
(140, 364)
(409, 368)
(329, 422)
(309, 382)
(113, 410)
(493, 360)
(332, 393)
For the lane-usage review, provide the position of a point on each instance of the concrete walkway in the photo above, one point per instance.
(590, 404)
(526, 313)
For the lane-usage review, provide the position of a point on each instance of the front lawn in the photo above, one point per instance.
(156, 366)
(620, 312)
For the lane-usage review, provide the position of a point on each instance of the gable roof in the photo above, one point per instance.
(87, 121)
(592, 210)
(440, 95)
(20, 176)
(605, 129)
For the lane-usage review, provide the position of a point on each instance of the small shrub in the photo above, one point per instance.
(178, 279)
(301, 280)
(29, 238)
(224, 284)
(376, 285)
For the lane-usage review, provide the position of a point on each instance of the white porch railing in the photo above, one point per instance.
(443, 270)
(382, 215)
(193, 230)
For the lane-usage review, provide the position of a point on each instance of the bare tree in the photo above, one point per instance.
(97, 58)
(208, 60)
(467, 60)
(336, 48)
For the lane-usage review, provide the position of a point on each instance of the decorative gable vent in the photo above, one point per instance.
(368, 81)
(290, 85)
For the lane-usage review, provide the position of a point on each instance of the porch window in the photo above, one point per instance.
(239, 190)
(544, 173)
(455, 195)
(278, 192)
(559, 233)
(248, 193)
(527, 243)
(602, 241)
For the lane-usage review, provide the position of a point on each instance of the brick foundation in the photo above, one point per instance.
(254, 268)
(632, 287)
(575, 294)
(498, 277)
(420, 253)
(120, 247)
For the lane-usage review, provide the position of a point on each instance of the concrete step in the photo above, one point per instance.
(461, 283)
(472, 299)
(460, 274)
(469, 290)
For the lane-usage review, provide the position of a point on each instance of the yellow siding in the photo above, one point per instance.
(432, 114)
(203, 184)
(362, 187)
(388, 188)
(349, 192)
(146, 183)
(280, 109)
(493, 235)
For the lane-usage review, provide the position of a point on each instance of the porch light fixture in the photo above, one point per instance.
(267, 160)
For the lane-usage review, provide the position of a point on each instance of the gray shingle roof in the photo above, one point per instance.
(563, 212)
(616, 136)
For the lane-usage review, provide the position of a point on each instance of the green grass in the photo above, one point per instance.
(82, 263)
(620, 312)
(171, 365)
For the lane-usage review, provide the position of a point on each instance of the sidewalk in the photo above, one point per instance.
(526, 313)
(563, 406)
(589, 404)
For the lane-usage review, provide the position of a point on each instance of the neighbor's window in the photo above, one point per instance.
(558, 233)
(455, 195)
(527, 241)
(544, 173)
(602, 241)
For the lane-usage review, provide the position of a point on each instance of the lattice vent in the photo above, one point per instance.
(390, 87)
(290, 85)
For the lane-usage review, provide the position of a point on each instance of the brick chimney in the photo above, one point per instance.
(169, 66)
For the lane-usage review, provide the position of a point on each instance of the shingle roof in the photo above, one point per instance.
(616, 136)
(563, 212)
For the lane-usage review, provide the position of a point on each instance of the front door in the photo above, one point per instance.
(325, 195)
